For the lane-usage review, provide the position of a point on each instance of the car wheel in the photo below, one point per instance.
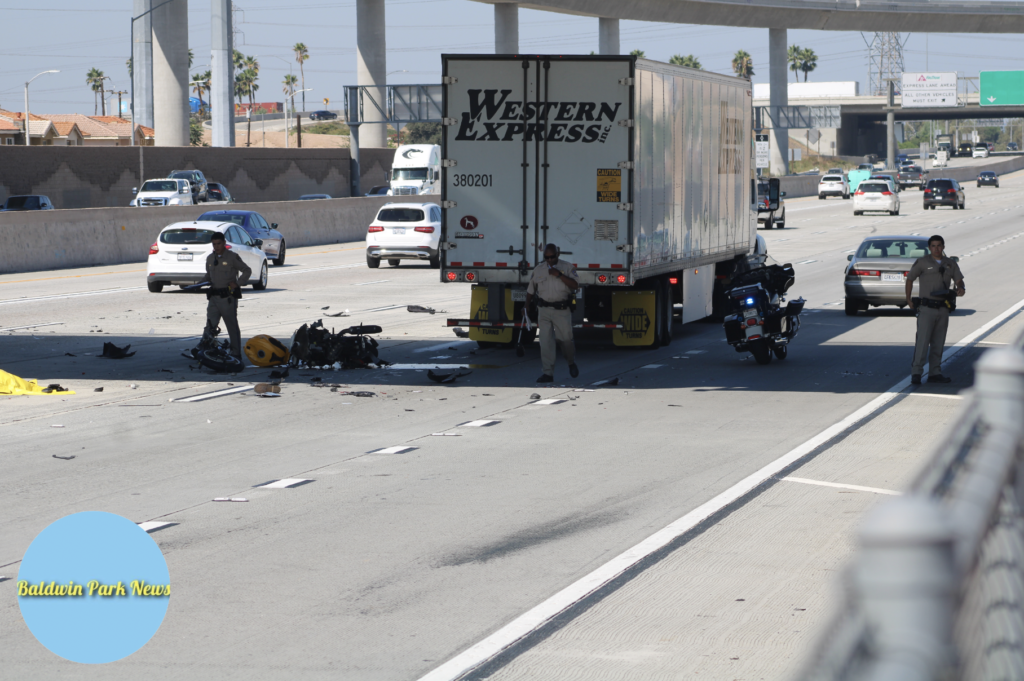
(372, 263)
(858, 212)
(435, 262)
(782, 224)
(281, 252)
(963, 205)
(851, 307)
(394, 262)
(155, 286)
(261, 284)
(821, 197)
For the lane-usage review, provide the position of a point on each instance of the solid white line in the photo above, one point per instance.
(420, 367)
(806, 262)
(313, 269)
(381, 309)
(858, 488)
(367, 283)
(216, 393)
(71, 295)
(944, 397)
(154, 525)
(30, 326)
(542, 613)
(442, 346)
(551, 401)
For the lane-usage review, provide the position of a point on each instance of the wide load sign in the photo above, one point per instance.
(929, 90)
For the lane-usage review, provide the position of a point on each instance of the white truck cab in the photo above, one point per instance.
(163, 192)
(416, 170)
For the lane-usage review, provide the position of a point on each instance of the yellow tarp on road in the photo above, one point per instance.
(13, 385)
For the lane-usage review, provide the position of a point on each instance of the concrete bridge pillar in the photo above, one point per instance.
(170, 74)
(222, 81)
(607, 36)
(506, 28)
(372, 70)
(142, 64)
(779, 84)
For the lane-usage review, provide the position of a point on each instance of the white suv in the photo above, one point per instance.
(833, 185)
(166, 192)
(404, 231)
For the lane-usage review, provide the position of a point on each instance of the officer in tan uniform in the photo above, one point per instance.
(935, 272)
(226, 272)
(553, 283)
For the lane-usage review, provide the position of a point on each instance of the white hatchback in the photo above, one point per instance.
(178, 256)
(404, 231)
(875, 195)
(833, 185)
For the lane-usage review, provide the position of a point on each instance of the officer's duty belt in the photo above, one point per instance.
(564, 305)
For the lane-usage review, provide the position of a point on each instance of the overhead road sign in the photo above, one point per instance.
(799, 116)
(1002, 88)
(931, 90)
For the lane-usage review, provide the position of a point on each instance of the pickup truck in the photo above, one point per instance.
(912, 176)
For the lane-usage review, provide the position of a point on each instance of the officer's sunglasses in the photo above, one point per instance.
(551, 257)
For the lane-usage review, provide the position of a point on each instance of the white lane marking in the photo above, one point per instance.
(537, 616)
(154, 525)
(445, 435)
(806, 262)
(30, 326)
(393, 450)
(694, 352)
(837, 302)
(367, 283)
(551, 401)
(386, 307)
(859, 488)
(286, 483)
(851, 251)
(652, 366)
(442, 346)
(944, 397)
(230, 499)
(278, 273)
(101, 292)
(483, 423)
(401, 367)
(216, 393)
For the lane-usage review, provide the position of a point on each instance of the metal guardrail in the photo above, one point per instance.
(935, 590)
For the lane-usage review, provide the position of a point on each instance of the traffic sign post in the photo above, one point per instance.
(1002, 88)
(761, 153)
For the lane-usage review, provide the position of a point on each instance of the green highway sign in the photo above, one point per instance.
(1002, 88)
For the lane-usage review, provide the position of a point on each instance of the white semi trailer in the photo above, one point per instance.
(640, 171)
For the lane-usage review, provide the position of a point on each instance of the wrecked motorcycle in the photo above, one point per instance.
(351, 348)
(216, 355)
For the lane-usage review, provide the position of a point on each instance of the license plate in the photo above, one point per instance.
(185, 256)
(398, 230)
(519, 295)
(749, 313)
(892, 276)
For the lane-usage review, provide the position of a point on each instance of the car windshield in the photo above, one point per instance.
(22, 202)
(222, 217)
(873, 187)
(400, 215)
(160, 186)
(832, 178)
(409, 174)
(186, 235)
(893, 248)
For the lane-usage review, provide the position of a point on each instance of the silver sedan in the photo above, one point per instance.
(877, 272)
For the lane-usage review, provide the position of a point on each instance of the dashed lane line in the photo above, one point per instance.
(393, 450)
(858, 488)
(216, 393)
(285, 483)
(30, 326)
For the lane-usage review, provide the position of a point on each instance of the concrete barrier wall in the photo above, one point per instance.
(55, 239)
(94, 177)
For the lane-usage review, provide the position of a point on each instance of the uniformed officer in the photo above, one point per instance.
(226, 272)
(553, 283)
(935, 271)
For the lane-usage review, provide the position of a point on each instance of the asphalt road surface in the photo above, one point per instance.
(387, 565)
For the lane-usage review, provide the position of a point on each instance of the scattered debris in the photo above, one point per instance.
(359, 393)
(535, 396)
(98, 390)
(326, 308)
(421, 308)
(675, 405)
(461, 332)
(55, 388)
(338, 314)
(111, 351)
(133, 386)
(315, 347)
(280, 374)
(14, 385)
(445, 378)
(165, 370)
(65, 458)
(68, 354)
(262, 388)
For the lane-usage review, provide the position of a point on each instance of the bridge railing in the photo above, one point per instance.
(935, 590)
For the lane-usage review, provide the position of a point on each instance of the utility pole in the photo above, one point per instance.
(119, 93)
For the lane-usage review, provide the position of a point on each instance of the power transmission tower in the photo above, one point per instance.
(885, 60)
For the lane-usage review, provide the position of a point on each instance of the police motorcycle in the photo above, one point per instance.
(760, 323)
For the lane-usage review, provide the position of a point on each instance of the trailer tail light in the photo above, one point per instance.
(451, 276)
(470, 276)
(425, 230)
(375, 228)
(866, 273)
(602, 278)
(621, 279)
(154, 249)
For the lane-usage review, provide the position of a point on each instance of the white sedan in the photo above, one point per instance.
(980, 151)
(875, 195)
(178, 256)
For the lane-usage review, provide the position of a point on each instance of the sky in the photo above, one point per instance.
(75, 37)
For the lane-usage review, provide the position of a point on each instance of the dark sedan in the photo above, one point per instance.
(989, 178)
(323, 116)
(218, 192)
(255, 226)
(379, 190)
(30, 202)
(943, 192)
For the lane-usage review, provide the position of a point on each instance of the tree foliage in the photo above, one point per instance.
(808, 61)
(638, 53)
(421, 133)
(689, 61)
(743, 64)
(793, 58)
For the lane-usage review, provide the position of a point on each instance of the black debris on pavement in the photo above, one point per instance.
(316, 379)
(421, 308)
(165, 371)
(55, 388)
(66, 458)
(68, 354)
(280, 374)
(461, 332)
(98, 390)
(338, 314)
(326, 308)
(445, 378)
(111, 351)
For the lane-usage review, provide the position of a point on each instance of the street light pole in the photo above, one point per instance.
(291, 97)
(27, 143)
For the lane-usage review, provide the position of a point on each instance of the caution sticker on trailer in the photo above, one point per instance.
(609, 185)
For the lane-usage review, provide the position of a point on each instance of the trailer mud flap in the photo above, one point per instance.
(635, 310)
(478, 312)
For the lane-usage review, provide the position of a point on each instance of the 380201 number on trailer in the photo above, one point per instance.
(641, 172)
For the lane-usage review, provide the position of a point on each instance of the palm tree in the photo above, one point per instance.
(743, 64)
(688, 61)
(301, 55)
(808, 61)
(638, 53)
(793, 57)
(289, 88)
(129, 65)
(191, 57)
(95, 79)
(202, 82)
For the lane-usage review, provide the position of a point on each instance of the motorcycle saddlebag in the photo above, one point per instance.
(734, 330)
(795, 307)
(776, 323)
